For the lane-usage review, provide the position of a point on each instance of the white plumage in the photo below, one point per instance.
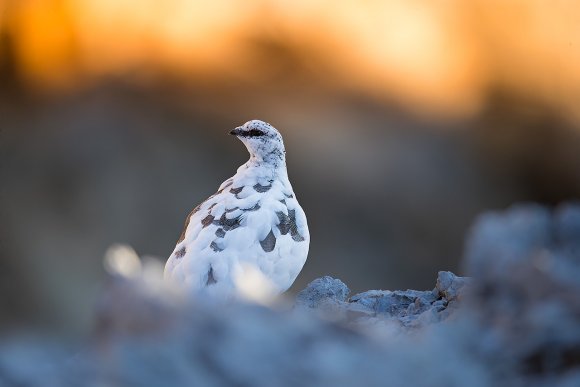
(253, 222)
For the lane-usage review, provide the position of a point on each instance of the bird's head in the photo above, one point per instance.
(263, 141)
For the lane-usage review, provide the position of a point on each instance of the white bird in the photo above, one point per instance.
(252, 224)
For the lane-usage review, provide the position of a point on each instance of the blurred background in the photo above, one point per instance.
(402, 119)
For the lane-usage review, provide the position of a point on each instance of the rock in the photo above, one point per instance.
(525, 264)
(402, 307)
(322, 291)
(500, 242)
(328, 297)
(411, 308)
(450, 286)
(514, 322)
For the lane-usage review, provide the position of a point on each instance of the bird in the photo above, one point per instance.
(253, 222)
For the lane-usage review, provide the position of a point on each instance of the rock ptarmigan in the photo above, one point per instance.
(252, 221)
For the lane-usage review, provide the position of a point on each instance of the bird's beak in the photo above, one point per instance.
(236, 132)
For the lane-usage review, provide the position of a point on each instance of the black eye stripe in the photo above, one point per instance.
(253, 133)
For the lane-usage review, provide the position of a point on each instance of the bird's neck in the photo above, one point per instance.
(272, 163)
(274, 159)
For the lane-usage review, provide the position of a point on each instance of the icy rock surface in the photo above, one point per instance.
(514, 322)
(408, 308)
(322, 291)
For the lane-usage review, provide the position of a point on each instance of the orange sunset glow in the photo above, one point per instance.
(432, 57)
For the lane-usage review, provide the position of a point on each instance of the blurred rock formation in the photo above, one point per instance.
(514, 322)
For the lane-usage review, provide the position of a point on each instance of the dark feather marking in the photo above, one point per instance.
(288, 224)
(293, 227)
(215, 247)
(255, 208)
(180, 253)
(220, 233)
(289, 196)
(283, 201)
(231, 209)
(269, 242)
(210, 278)
(296, 236)
(182, 236)
(284, 222)
(236, 191)
(207, 220)
(227, 224)
(262, 188)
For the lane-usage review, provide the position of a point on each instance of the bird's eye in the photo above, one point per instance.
(253, 133)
